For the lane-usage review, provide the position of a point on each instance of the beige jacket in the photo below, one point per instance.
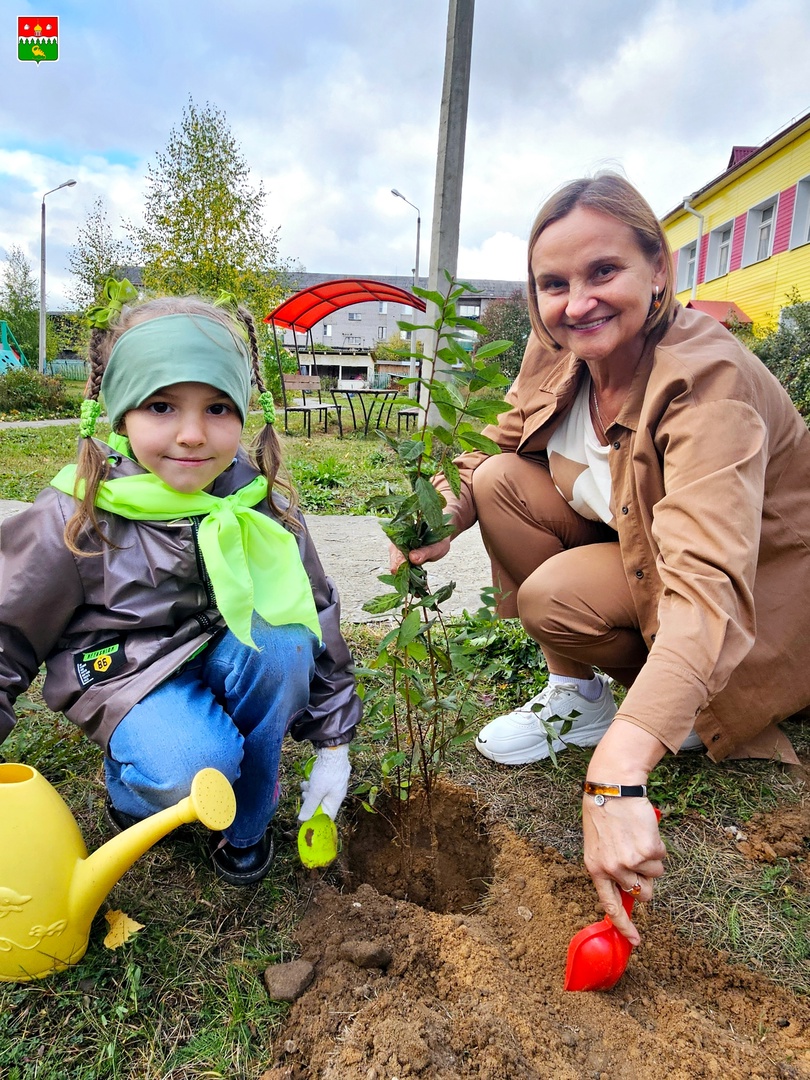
(711, 494)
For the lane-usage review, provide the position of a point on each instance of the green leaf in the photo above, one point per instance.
(431, 503)
(486, 410)
(410, 450)
(472, 440)
(403, 325)
(472, 324)
(444, 592)
(447, 412)
(492, 348)
(425, 294)
(452, 476)
(443, 436)
(410, 628)
(380, 604)
(418, 651)
(395, 759)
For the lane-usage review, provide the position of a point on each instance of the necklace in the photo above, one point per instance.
(596, 410)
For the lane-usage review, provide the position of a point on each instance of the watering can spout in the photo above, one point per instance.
(211, 801)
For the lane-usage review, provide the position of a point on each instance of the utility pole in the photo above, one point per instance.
(449, 162)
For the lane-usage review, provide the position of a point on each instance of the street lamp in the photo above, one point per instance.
(67, 183)
(413, 389)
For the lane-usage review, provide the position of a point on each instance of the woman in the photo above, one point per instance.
(649, 515)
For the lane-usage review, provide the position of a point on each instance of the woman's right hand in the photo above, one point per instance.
(428, 553)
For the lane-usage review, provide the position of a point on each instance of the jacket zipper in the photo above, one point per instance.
(202, 618)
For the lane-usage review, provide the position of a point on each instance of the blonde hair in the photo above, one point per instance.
(611, 194)
(93, 466)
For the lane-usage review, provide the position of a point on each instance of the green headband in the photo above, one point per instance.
(173, 349)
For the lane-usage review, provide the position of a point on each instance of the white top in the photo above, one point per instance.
(578, 462)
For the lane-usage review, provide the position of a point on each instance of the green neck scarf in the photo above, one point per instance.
(253, 561)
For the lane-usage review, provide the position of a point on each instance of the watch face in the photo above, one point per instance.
(599, 800)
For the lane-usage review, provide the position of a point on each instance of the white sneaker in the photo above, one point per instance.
(519, 737)
(692, 741)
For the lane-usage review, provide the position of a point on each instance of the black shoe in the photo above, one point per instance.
(246, 865)
(117, 818)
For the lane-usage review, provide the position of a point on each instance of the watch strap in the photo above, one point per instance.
(615, 791)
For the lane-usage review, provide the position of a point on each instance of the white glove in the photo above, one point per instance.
(328, 782)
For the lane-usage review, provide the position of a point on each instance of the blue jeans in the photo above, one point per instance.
(229, 708)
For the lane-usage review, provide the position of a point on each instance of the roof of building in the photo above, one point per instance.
(740, 153)
(725, 311)
(745, 157)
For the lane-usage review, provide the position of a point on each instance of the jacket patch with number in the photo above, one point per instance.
(100, 663)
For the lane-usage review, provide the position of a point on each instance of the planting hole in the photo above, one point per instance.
(392, 850)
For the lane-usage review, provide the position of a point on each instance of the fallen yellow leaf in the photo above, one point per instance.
(122, 928)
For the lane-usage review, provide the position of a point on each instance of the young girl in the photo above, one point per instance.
(172, 592)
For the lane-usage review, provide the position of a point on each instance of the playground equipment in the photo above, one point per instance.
(11, 355)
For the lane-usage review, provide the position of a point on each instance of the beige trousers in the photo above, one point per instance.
(560, 573)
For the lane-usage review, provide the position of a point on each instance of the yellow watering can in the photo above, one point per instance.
(50, 888)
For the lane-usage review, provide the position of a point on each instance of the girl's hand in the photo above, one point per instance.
(328, 782)
(429, 553)
(622, 849)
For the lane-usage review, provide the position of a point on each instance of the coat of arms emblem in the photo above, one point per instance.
(38, 38)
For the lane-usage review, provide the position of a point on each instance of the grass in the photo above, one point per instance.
(184, 998)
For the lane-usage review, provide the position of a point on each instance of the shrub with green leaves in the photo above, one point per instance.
(27, 395)
(786, 351)
(418, 688)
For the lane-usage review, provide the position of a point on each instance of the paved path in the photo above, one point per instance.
(354, 551)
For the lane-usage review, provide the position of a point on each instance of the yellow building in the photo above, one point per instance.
(742, 242)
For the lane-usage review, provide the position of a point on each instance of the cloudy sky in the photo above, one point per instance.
(335, 102)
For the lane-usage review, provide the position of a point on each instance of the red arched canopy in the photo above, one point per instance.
(301, 311)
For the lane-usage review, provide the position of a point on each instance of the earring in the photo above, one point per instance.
(656, 304)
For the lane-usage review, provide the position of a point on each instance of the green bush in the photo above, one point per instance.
(786, 351)
(27, 395)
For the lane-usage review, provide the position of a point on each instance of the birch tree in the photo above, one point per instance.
(96, 255)
(203, 221)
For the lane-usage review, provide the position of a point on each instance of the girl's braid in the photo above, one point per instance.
(92, 467)
(97, 364)
(267, 448)
(250, 326)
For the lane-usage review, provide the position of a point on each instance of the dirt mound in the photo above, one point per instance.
(469, 979)
(782, 834)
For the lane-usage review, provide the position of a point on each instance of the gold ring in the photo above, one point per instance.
(636, 888)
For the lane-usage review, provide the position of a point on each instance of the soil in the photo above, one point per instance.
(453, 967)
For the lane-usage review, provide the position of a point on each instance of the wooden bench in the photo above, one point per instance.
(303, 385)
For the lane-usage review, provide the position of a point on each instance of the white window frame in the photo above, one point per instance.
(380, 333)
(760, 226)
(327, 329)
(469, 309)
(354, 316)
(718, 259)
(687, 266)
(382, 307)
(800, 230)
